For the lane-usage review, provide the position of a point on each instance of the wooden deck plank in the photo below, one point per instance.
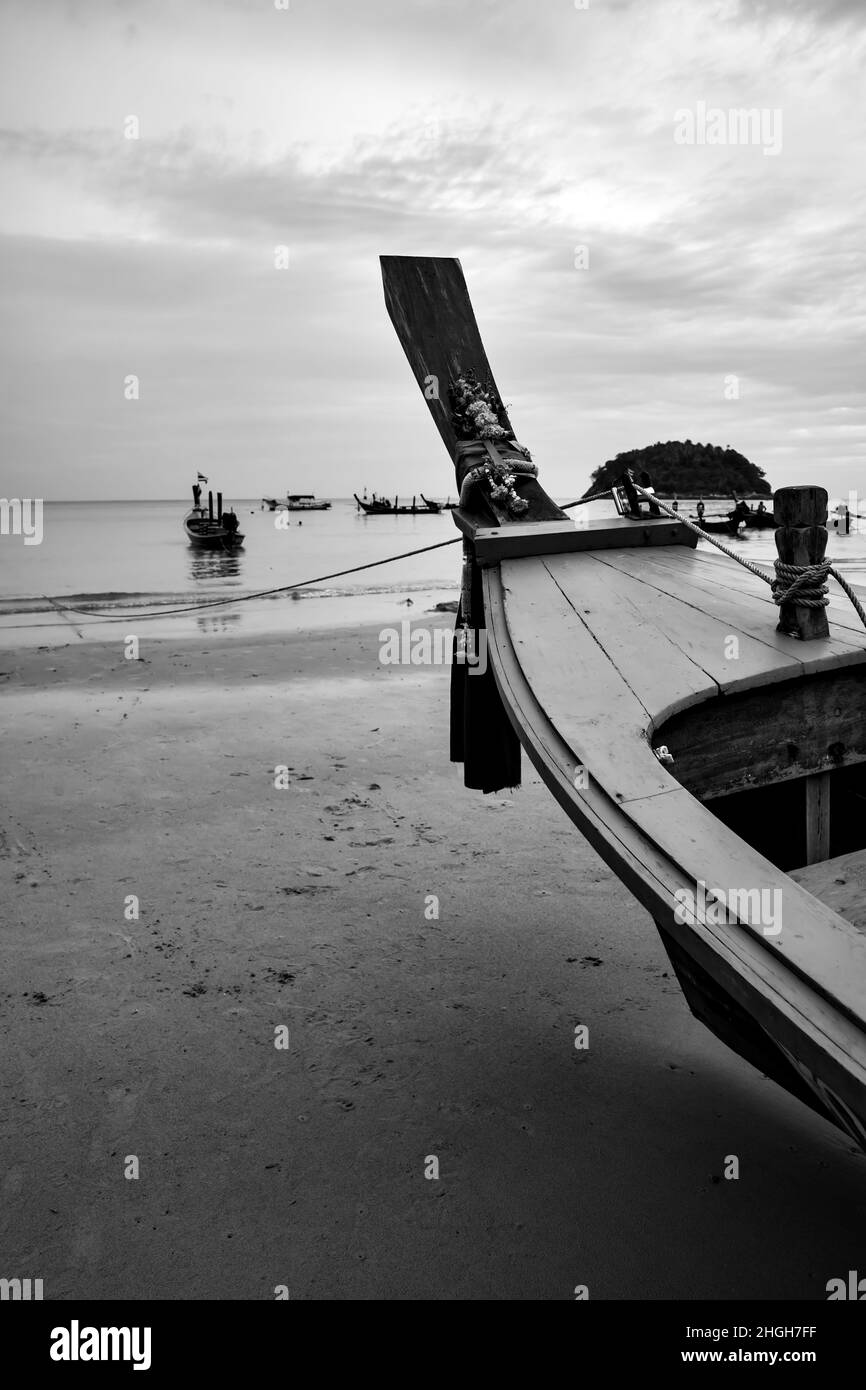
(650, 657)
(668, 629)
(747, 613)
(575, 681)
(724, 574)
(840, 609)
(840, 883)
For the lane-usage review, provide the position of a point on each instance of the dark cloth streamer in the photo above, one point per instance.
(481, 734)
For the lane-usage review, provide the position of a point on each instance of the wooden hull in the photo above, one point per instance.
(736, 1026)
(794, 1009)
(211, 535)
(716, 527)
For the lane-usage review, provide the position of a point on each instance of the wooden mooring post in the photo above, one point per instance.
(801, 539)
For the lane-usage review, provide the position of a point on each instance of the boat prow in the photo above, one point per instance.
(713, 761)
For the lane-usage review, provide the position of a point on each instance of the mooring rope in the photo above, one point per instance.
(807, 584)
(582, 501)
(130, 614)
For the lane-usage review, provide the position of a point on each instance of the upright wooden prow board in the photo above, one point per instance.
(430, 308)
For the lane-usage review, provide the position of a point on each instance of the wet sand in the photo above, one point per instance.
(410, 1037)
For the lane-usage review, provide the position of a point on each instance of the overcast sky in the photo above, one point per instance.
(505, 132)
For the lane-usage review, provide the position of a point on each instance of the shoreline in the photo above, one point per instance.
(253, 620)
(409, 1035)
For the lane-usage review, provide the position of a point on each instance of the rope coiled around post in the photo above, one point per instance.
(805, 583)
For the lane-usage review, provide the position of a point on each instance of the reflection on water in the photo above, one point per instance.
(216, 565)
(217, 621)
(213, 569)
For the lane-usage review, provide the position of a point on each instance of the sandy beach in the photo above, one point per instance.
(410, 1036)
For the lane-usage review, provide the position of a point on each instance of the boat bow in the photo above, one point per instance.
(604, 637)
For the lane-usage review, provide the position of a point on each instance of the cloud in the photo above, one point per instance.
(504, 133)
(815, 14)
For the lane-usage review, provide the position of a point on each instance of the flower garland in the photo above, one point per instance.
(503, 492)
(476, 410)
(476, 414)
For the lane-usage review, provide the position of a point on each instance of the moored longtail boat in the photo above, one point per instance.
(710, 744)
(719, 525)
(210, 529)
(382, 506)
(305, 502)
(759, 521)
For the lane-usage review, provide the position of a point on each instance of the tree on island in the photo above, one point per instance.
(687, 469)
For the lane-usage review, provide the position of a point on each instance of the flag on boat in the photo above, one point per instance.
(202, 478)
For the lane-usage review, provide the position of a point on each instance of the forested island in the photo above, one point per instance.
(681, 468)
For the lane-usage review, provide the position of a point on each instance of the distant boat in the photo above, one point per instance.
(718, 525)
(296, 502)
(305, 502)
(212, 533)
(207, 531)
(760, 521)
(382, 506)
(730, 523)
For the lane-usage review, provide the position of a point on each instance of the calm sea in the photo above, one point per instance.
(124, 560)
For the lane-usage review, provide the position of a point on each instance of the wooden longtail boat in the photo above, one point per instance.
(716, 763)
(759, 521)
(380, 506)
(212, 530)
(207, 533)
(718, 525)
(297, 502)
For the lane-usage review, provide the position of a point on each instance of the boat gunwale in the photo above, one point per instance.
(755, 976)
(655, 781)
